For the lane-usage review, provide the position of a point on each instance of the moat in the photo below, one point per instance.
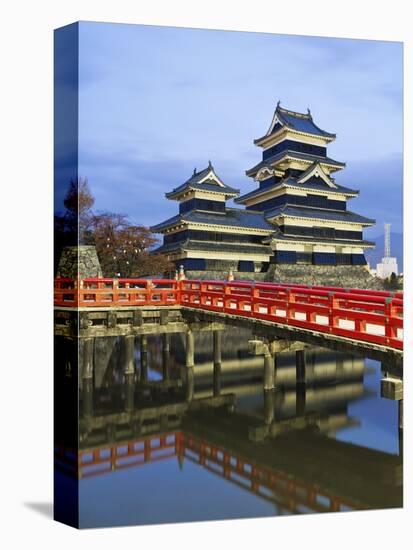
(158, 441)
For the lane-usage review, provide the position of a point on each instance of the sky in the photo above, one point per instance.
(156, 102)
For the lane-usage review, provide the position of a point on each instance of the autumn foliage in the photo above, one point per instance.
(122, 247)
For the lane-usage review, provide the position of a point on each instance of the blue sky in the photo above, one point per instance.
(155, 102)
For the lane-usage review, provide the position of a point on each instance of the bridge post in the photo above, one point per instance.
(87, 394)
(165, 355)
(130, 392)
(401, 414)
(88, 348)
(129, 354)
(269, 371)
(190, 349)
(400, 427)
(269, 350)
(269, 403)
(190, 384)
(217, 338)
(300, 399)
(300, 366)
(144, 358)
(392, 388)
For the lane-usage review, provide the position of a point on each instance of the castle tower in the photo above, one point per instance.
(299, 196)
(208, 236)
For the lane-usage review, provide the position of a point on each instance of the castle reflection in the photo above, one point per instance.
(141, 404)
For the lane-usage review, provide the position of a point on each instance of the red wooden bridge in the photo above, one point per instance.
(368, 316)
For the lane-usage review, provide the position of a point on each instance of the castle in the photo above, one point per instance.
(295, 225)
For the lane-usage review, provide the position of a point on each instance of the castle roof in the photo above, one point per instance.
(295, 155)
(279, 236)
(318, 213)
(205, 246)
(301, 122)
(313, 184)
(233, 217)
(204, 180)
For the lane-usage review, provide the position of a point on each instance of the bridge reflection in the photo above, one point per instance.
(142, 403)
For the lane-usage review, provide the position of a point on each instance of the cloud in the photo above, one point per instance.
(155, 101)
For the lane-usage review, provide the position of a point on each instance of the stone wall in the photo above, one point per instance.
(79, 259)
(353, 276)
(347, 276)
(223, 275)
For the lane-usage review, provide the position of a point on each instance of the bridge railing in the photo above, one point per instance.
(368, 315)
(104, 292)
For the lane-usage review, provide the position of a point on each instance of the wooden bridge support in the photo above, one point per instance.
(87, 397)
(87, 367)
(144, 358)
(166, 346)
(217, 376)
(190, 350)
(300, 399)
(401, 427)
(217, 338)
(269, 403)
(392, 388)
(300, 365)
(269, 350)
(190, 379)
(129, 342)
(129, 392)
(401, 414)
(269, 371)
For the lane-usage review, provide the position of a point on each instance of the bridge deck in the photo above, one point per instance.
(373, 318)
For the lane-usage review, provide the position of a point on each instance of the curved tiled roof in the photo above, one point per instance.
(194, 182)
(295, 155)
(278, 235)
(301, 122)
(233, 217)
(193, 244)
(292, 182)
(318, 213)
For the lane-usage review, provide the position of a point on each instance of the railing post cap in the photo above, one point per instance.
(181, 273)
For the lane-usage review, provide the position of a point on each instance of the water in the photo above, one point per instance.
(168, 444)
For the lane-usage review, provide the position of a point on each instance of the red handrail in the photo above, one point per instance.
(366, 315)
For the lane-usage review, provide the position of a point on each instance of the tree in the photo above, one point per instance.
(79, 202)
(122, 247)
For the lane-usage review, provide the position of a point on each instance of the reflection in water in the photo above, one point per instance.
(178, 427)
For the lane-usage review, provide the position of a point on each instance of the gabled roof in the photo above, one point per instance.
(301, 122)
(206, 180)
(312, 184)
(316, 171)
(233, 217)
(294, 155)
(318, 214)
